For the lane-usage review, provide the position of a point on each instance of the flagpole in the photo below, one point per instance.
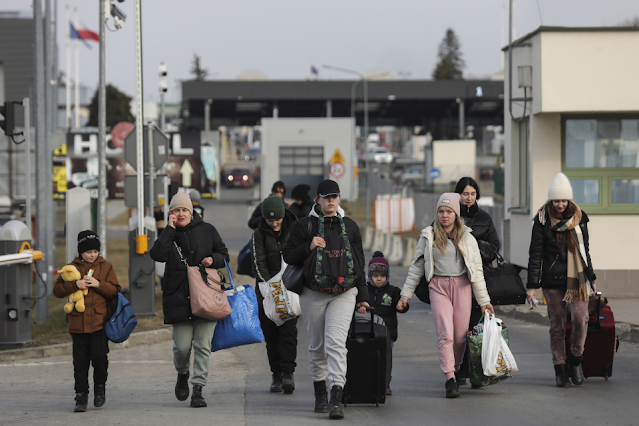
(77, 72)
(68, 79)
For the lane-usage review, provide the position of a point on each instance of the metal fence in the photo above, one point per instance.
(426, 202)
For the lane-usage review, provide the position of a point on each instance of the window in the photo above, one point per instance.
(301, 161)
(521, 192)
(600, 159)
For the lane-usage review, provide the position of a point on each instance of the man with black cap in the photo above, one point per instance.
(336, 285)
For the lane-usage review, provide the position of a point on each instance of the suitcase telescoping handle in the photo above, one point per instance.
(372, 333)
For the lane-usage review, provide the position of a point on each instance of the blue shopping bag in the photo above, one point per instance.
(242, 327)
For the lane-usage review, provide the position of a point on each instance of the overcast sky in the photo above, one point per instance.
(283, 37)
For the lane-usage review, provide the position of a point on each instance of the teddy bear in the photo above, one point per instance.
(71, 273)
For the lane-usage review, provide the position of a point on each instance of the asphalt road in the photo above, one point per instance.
(141, 379)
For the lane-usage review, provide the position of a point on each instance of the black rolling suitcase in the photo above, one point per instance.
(369, 362)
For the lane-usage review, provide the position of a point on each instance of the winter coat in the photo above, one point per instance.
(298, 246)
(426, 267)
(384, 300)
(547, 263)
(197, 240)
(268, 246)
(303, 209)
(95, 301)
(483, 230)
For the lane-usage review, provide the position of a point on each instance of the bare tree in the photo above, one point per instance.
(630, 22)
(196, 69)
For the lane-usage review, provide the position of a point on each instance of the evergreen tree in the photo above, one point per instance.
(118, 107)
(450, 64)
(196, 69)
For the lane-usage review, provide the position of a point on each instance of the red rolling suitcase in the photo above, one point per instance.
(601, 343)
(369, 363)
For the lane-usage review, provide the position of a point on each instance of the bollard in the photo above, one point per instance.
(411, 246)
(368, 237)
(397, 250)
(15, 284)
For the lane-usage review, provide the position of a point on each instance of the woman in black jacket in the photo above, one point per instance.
(486, 235)
(328, 301)
(187, 239)
(302, 202)
(559, 263)
(268, 242)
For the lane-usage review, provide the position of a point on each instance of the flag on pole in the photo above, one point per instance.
(84, 35)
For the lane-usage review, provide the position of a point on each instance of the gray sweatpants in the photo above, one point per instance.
(198, 333)
(328, 319)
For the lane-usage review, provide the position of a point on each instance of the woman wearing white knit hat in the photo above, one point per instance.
(560, 264)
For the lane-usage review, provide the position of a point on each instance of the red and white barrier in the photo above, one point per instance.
(394, 213)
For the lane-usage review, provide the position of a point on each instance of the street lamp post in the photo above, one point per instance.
(366, 157)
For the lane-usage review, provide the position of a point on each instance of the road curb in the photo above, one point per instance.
(136, 339)
(626, 332)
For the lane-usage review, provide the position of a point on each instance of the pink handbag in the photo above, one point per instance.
(207, 294)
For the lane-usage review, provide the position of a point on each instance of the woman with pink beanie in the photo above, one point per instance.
(448, 257)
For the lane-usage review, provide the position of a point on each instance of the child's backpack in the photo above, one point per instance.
(120, 319)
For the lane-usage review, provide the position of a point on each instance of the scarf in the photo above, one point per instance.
(577, 284)
(330, 284)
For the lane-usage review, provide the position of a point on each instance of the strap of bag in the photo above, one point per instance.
(180, 253)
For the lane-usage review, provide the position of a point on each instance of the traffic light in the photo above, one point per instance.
(8, 124)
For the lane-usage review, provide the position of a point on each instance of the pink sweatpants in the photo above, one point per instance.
(451, 303)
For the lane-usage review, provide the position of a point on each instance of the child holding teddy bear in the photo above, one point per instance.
(89, 272)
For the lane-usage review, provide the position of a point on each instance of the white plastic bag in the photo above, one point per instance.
(280, 304)
(496, 357)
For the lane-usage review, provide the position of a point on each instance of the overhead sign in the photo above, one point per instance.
(337, 157)
(160, 148)
(434, 173)
(337, 170)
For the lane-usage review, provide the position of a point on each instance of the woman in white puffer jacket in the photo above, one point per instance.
(448, 256)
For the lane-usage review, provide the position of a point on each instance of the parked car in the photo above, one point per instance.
(413, 175)
(240, 177)
(379, 155)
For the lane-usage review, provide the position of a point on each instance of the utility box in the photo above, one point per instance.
(15, 288)
(141, 270)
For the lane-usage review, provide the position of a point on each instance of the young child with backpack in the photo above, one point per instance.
(90, 343)
(383, 296)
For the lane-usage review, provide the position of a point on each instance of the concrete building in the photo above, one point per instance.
(572, 106)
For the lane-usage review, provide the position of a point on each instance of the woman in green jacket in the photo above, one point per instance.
(269, 239)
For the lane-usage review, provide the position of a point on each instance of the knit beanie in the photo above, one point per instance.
(272, 208)
(88, 240)
(181, 199)
(560, 188)
(194, 194)
(300, 192)
(450, 199)
(378, 265)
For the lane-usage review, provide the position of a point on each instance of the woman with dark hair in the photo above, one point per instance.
(559, 263)
(485, 233)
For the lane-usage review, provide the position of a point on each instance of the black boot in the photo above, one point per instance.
(288, 383)
(99, 396)
(197, 400)
(276, 382)
(460, 377)
(335, 404)
(182, 387)
(576, 371)
(81, 401)
(321, 397)
(563, 378)
(452, 389)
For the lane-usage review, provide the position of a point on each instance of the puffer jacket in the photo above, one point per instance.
(298, 246)
(268, 246)
(95, 302)
(422, 266)
(384, 299)
(547, 263)
(303, 209)
(483, 230)
(197, 240)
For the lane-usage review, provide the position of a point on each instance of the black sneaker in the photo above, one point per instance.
(182, 386)
(99, 396)
(452, 389)
(288, 383)
(81, 402)
(461, 380)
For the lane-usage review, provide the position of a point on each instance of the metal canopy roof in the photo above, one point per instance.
(402, 102)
